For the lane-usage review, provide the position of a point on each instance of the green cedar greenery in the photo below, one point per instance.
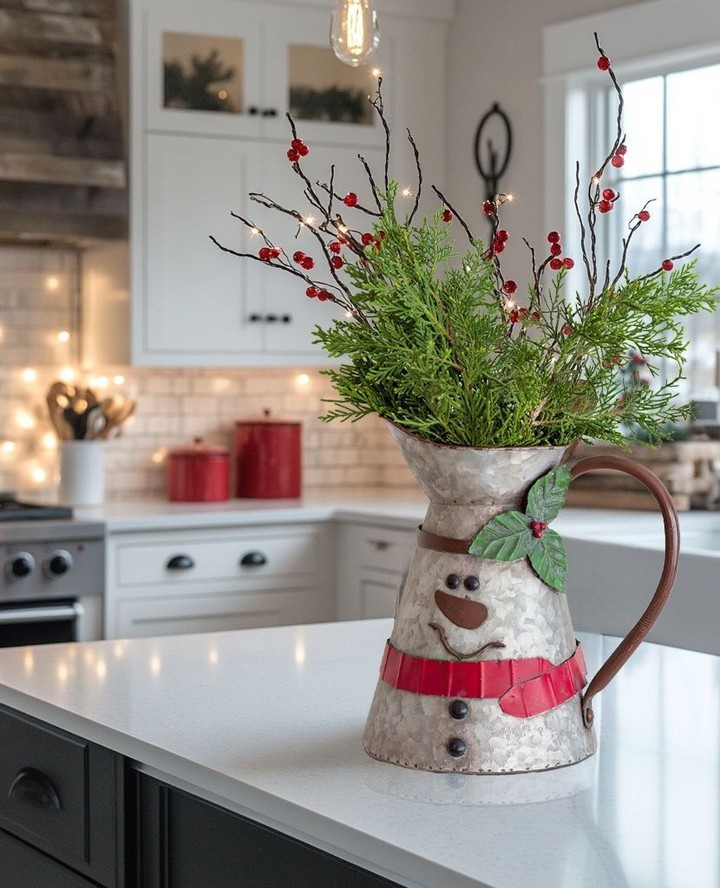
(441, 344)
(438, 355)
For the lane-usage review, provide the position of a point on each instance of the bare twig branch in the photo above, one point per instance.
(416, 154)
(379, 105)
(455, 213)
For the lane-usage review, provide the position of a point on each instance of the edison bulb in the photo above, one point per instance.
(354, 32)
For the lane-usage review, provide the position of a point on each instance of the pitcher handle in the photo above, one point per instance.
(636, 635)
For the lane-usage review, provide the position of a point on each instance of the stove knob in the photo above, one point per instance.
(21, 565)
(58, 563)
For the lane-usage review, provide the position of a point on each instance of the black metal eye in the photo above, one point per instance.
(452, 581)
(472, 583)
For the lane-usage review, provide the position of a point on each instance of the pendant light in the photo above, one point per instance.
(354, 32)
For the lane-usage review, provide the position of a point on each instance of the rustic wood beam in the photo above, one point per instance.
(34, 27)
(17, 226)
(62, 170)
(91, 8)
(70, 75)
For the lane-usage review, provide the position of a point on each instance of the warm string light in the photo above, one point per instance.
(63, 336)
(29, 375)
(52, 283)
(354, 32)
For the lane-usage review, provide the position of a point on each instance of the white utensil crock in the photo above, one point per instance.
(82, 473)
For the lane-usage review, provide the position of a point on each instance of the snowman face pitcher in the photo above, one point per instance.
(482, 672)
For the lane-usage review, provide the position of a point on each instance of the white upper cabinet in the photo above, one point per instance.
(230, 68)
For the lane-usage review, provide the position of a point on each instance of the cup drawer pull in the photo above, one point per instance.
(253, 559)
(180, 562)
(32, 787)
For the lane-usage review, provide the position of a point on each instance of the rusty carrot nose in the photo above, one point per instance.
(461, 611)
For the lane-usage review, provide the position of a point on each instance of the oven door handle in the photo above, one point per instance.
(49, 614)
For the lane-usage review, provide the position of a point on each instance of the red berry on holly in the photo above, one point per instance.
(536, 316)
(604, 206)
(296, 143)
(503, 235)
(264, 253)
(488, 207)
(498, 245)
(603, 63)
(553, 237)
(643, 215)
(312, 292)
(537, 533)
(275, 252)
(622, 149)
(335, 246)
(568, 263)
(367, 239)
(668, 265)
(567, 330)
(307, 262)
(293, 155)
(323, 296)
(608, 194)
(447, 216)
(509, 287)
(618, 160)
(513, 316)
(336, 262)
(298, 256)
(555, 249)
(382, 235)
(350, 199)
(556, 264)
(303, 150)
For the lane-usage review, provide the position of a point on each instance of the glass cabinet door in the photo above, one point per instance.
(327, 99)
(203, 71)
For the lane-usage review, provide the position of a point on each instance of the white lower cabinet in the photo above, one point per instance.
(373, 562)
(207, 579)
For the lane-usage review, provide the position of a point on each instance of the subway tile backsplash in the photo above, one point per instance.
(39, 299)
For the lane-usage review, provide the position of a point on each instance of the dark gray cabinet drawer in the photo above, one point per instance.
(186, 842)
(59, 793)
(23, 867)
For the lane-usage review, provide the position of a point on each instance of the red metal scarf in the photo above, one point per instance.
(523, 687)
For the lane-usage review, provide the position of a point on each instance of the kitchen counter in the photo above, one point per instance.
(402, 508)
(268, 723)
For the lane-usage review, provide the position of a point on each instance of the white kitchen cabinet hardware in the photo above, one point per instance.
(372, 564)
(167, 581)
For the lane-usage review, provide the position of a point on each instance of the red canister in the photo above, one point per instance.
(268, 458)
(199, 473)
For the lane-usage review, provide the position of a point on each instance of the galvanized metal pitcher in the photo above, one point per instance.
(482, 673)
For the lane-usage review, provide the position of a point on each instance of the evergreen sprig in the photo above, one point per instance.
(435, 341)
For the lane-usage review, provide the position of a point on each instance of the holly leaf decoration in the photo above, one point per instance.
(549, 560)
(506, 537)
(512, 535)
(547, 495)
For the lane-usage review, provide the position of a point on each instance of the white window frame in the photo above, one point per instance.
(641, 39)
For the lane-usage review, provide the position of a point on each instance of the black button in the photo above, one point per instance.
(456, 747)
(452, 581)
(459, 709)
(472, 583)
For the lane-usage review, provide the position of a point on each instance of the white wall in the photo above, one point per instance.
(496, 55)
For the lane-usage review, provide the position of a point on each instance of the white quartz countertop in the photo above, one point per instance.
(402, 508)
(268, 722)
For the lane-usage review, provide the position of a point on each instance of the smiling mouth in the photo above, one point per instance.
(490, 645)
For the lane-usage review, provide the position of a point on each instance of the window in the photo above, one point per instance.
(670, 77)
(673, 159)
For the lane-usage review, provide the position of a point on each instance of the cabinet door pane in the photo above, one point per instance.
(320, 87)
(196, 295)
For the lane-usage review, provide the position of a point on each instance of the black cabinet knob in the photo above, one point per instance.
(35, 789)
(21, 565)
(286, 319)
(253, 559)
(269, 112)
(180, 562)
(271, 318)
(253, 110)
(254, 318)
(59, 563)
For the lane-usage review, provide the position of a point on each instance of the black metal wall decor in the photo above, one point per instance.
(491, 162)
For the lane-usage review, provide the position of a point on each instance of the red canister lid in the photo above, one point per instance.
(204, 451)
(267, 419)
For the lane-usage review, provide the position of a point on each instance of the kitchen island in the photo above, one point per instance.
(266, 724)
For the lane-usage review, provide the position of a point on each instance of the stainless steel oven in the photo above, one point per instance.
(52, 572)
